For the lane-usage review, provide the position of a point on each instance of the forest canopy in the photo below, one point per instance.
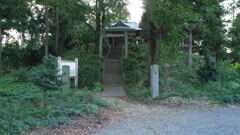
(52, 26)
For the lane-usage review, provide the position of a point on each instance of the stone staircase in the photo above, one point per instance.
(113, 80)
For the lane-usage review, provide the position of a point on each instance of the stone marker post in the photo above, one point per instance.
(66, 77)
(154, 81)
(76, 77)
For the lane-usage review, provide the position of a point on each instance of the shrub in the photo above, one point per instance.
(138, 93)
(136, 66)
(236, 67)
(208, 72)
(90, 72)
(90, 65)
(21, 75)
(226, 72)
(46, 76)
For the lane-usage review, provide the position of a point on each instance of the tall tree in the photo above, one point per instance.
(102, 12)
(11, 18)
(46, 30)
(0, 47)
(150, 33)
(234, 34)
(57, 32)
(213, 46)
(169, 26)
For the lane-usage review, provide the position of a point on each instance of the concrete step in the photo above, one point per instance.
(113, 80)
(113, 73)
(114, 91)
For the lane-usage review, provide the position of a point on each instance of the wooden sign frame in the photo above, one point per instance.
(73, 65)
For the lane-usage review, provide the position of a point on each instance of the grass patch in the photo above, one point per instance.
(20, 106)
(138, 93)
(177, 79)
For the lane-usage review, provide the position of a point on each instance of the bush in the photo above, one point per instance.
(90, 66)
(136, 66)
(226, 72)
(90, 72)
(15, 56)
(138, 93)
(46, 76)
(209, 71)
(21, 75)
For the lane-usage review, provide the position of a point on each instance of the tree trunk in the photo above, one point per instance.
(152, 41)
(190, 59)
(1, 35)
(23, 38)
(57, 33)
(98, 26)
(46, 30)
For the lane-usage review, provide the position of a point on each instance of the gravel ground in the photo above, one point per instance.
(83, 126)
(157, 119)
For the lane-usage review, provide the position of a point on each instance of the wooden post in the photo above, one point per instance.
(190, 61)
(100, 45)
(76, 77)
(126, 44)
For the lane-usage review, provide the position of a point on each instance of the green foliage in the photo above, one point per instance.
(236, 67)
(46, 75)
(136, 65)
(235, 39)
(209, 71)
(20, 106)
(71, 24)
(227, 73)
(175, 82)
(21, 75)
(177, 79)
(15, 56)
(138, 93)
(90, 66)
(203, 18)
(90, 72)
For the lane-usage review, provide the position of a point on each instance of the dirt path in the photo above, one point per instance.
(163, 120)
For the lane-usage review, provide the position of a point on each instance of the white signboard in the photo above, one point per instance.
(73, 66)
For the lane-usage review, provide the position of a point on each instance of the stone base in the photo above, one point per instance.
(114, 91)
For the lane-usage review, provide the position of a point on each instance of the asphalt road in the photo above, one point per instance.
(163, 120)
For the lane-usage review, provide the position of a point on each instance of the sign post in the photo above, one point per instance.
(155, 81)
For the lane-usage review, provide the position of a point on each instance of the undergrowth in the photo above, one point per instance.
(20, 108)
(177, 79)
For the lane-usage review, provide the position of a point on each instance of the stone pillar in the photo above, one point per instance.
(155, 81)
(66, 77)
(59, 59)
(126, 44)
(76, 77)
